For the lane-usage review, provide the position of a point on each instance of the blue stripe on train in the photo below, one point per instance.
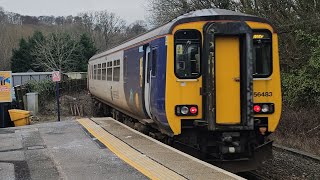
(133, 90)
(158, 83)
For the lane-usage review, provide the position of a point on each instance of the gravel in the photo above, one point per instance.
(285, 165)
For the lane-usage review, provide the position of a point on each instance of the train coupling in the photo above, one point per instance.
(230, 143)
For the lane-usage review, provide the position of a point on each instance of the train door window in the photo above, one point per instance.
(99, 71)
(149, 66)
(95, 72)
(104, 71)
(187, 54)
(116, 70)
(154, 62)
(262, 54)
(109, 71)
(125, 68)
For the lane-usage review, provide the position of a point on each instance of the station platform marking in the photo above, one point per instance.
(149, 156)
(139, 161)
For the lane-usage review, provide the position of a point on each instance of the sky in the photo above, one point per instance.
(129, 10)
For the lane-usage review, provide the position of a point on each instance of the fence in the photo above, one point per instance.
(23, 78)
(66, 87)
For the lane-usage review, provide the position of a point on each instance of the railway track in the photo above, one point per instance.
(252, 175)
(296, 152)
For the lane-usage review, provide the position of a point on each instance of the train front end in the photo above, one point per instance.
(227, 97)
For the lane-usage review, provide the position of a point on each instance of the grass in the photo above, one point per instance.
(299, 129)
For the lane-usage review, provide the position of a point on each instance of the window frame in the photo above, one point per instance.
(95, 73)
(109, 67)
(271, 55)
(104, 71)
(99, 71)
(116, 64)
(200, 53)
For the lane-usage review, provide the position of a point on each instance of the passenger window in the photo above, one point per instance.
(92, 70)
(154, 62)
(187, 54)
(109, 71)
(104, 71)
(99, 71)
(95, 72)
(116, 70)
(262, 54)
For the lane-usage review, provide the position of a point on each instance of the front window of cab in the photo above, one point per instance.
(187, 53)
(262, 54)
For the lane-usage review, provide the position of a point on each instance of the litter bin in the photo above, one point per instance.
(5, 120)
(19, 117)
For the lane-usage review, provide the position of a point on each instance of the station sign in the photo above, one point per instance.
(56, 76)
(5, 86)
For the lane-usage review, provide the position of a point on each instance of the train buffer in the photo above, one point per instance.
(96, 148)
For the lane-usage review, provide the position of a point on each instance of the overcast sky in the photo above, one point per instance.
(129, 10)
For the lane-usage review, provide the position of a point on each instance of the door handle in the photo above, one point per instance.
(236, 79)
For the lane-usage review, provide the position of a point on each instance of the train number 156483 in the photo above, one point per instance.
(262, 94)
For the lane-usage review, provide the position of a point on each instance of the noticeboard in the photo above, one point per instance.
(5, 86)
(56, 76)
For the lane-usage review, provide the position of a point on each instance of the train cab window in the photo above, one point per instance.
(262, 54)
(95, 72)
(99, 71)
(109, 71)
(116, 70)
(187, 54)
(104, 71)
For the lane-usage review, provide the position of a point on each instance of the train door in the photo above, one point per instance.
(147, 80)
(228, 80)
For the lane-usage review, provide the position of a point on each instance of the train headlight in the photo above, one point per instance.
(184, 110)
(265, 108)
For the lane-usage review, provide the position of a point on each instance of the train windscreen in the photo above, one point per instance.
(262, 54)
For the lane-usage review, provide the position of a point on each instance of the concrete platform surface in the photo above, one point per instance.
(151, 157)
(60, 150)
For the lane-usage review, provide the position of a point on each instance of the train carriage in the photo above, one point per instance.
(209, 79)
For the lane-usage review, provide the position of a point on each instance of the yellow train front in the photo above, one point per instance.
(209, 79)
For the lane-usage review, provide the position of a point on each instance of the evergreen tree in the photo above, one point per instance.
(87, 49)
(22, 59)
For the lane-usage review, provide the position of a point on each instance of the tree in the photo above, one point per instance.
(56, 52)
(106, 25)
(162, 11)
(135, 29)
(87, 50)
(22, 59)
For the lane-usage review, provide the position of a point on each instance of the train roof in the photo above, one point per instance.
(199, 15)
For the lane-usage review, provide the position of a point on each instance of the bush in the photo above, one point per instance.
(46, 90)
(301, 87)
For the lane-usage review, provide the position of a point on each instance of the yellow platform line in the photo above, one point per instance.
(134, 158)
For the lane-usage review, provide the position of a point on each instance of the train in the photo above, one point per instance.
(208, 80)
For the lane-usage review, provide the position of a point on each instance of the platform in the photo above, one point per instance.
(94, 149)
(151, 157)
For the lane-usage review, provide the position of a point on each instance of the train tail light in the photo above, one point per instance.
(257, 108)
(263, 108)
(186, 110)
(193, 110)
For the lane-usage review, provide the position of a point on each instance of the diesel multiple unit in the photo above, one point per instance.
(209, 79)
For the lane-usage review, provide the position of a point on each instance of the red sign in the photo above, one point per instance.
(56, 77)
